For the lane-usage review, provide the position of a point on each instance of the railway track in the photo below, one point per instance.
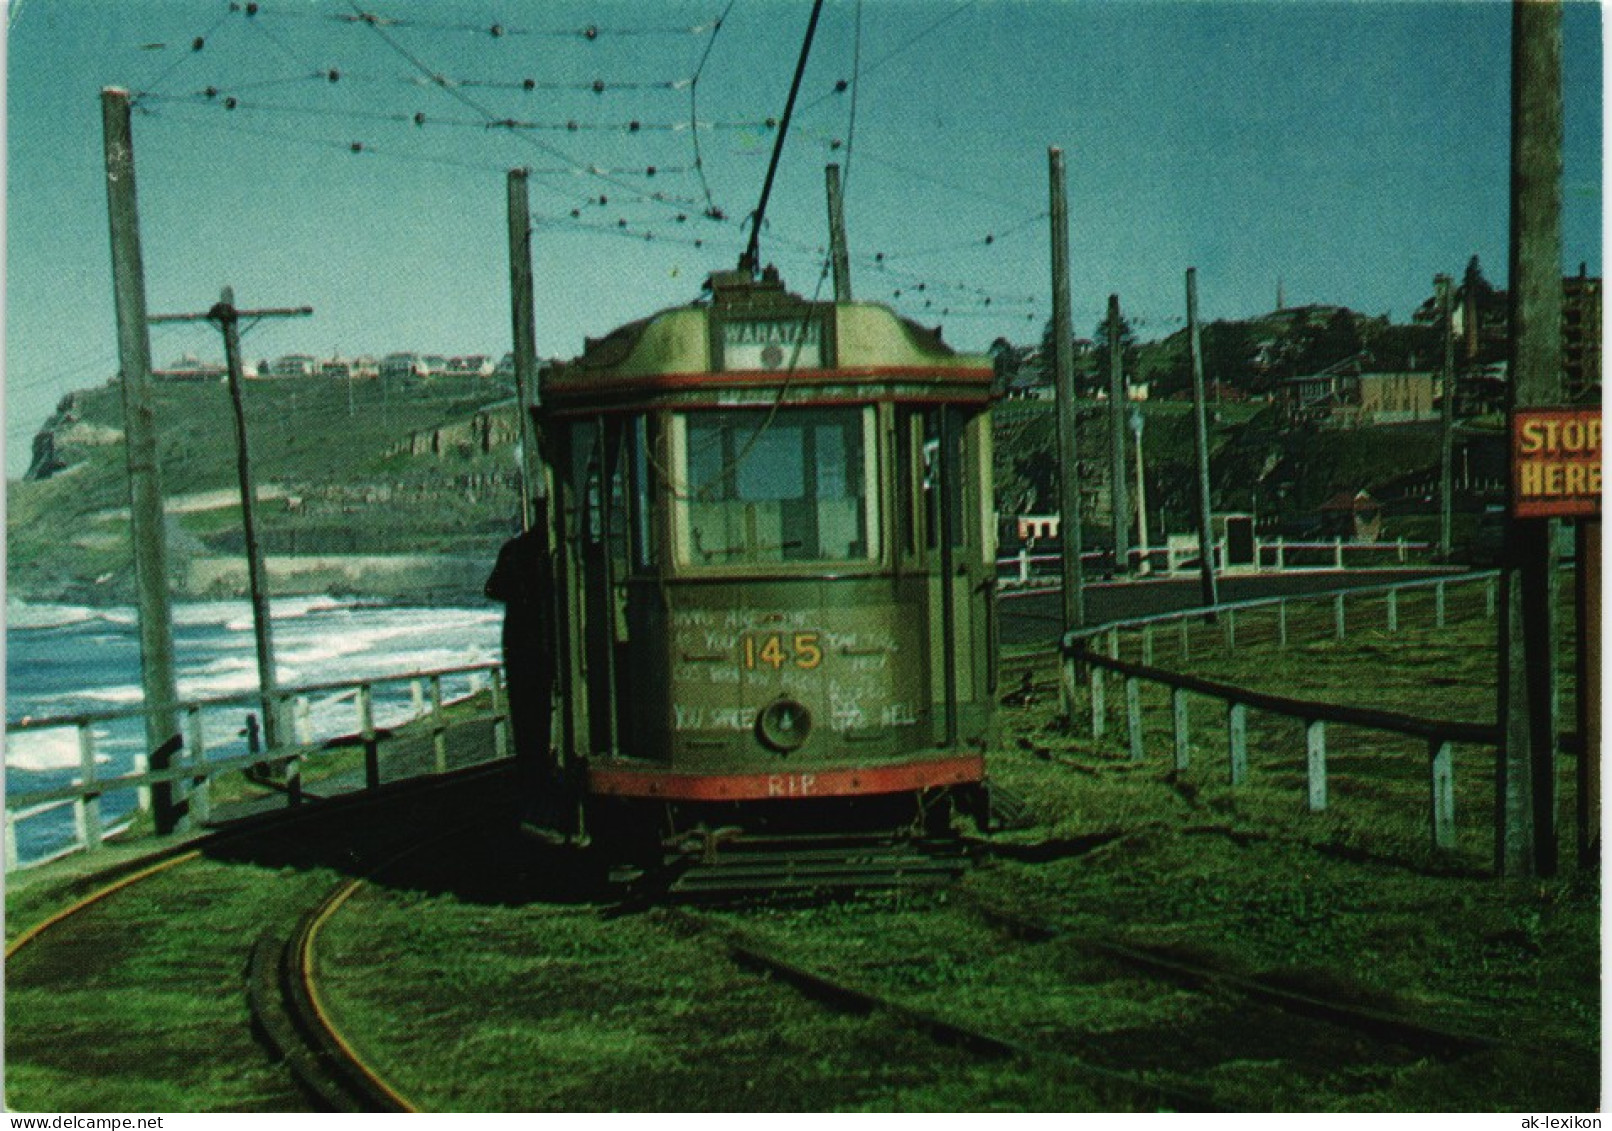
(270, 1030)
(1121, 1090)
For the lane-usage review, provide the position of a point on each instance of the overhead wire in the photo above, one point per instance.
(616, 174)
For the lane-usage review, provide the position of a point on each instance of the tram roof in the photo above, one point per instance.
(865, 336)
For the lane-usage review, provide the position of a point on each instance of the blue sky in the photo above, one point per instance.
(1351, 149)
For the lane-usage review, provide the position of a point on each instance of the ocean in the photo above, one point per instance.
(66, 659)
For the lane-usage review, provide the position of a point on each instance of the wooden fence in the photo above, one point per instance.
(1094, 657)
(280, 768)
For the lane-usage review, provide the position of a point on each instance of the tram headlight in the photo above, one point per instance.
(783, 725)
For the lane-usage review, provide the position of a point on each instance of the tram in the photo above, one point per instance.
(774, 553)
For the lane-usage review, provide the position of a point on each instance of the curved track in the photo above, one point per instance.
(284, 1047)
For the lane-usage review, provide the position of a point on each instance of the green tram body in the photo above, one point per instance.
(753, 496)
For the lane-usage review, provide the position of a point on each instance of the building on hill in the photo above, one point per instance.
(294, 365)
(470, 365)
(402, 367)
(1348, 396)
(190, 368)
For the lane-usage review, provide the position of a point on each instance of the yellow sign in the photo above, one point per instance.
(1556, 462)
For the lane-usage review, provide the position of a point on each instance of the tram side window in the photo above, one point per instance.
(932, 478)
(640, 436)
(760, 486)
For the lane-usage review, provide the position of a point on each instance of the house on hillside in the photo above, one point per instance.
(1352, 515)
(190, 368)
(1348, 395)
(294, 365)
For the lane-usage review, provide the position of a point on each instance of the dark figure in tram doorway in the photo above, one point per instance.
(523, 581)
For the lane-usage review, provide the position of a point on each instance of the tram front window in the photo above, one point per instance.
(757, 486)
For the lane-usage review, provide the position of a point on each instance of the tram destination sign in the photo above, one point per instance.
(785, 342)
(1556, 463)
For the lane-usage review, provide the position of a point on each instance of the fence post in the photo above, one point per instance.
(416, 698)
(1237, 741)
(439, 731)
(1231, 630)
(1068, 681)
(1133, 716)
(1488, 598)
(1281, 554)
(1186, 645)
(1438, 604)
(11, 842)
(1024, 565)
(1147, 645)
(366, 729)
(1441, 760)
(142, 793)
(87, 809)
(1338, 624)
(1180, 724)
(1315, 750)
(1098, 708)
(200, 785)
(1281, 623)
(1393, 610)
(500, 723)
(1402, 549)
(1113, 644)
(1337, 553)
(302, 721)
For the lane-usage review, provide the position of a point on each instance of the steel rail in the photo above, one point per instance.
(745, 950)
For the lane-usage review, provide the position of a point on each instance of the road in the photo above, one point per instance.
(1034, 617)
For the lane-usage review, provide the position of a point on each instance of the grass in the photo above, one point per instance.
(473, 984)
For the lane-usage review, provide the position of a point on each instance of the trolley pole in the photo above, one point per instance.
(1206, 539)
(839, 256)
(1446, 476)
(533, 485)
(227, 318)
(1119, 497)
(1074, 594)
(1525, 792)
(158, 682)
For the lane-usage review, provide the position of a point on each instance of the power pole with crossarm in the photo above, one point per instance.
(227, 318)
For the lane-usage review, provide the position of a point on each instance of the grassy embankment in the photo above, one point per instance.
(554, 1008)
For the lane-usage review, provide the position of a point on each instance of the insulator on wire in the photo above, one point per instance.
(529, 85)
(231, 103)
(590, 32)
(333, 75)
(496, 31)
(841, 87)
(419, 119)
(357, 147)
(198, 43)
(598, 86)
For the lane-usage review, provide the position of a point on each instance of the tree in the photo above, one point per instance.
(1127, 350)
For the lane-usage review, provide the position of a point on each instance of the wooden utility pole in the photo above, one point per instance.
(1206, 537)
(839, 255)
(227, 318)
(146, 526)
(533, 483)
(1446, 475)
(1069, 519)
(1526, 789)
(1119, 497)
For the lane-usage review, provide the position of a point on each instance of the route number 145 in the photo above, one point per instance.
(775, 650)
